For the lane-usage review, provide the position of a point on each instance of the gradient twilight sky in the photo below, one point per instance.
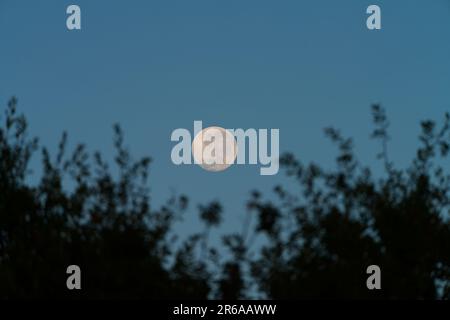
(154, 66)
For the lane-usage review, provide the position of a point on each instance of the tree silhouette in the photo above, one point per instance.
(103, 222)
(322, 238)
(316, 241)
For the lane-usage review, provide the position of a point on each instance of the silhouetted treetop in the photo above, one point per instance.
(315, 240)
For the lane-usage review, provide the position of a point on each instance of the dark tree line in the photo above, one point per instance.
(314, 242)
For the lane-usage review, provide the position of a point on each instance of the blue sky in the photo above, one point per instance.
(154, 66)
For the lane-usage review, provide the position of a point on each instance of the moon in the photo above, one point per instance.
(214, 155)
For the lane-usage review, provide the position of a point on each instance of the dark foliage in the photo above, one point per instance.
(314, 242)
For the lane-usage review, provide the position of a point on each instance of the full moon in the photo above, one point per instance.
(211, 153)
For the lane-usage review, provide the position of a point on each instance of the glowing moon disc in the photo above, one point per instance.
(214, 149)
